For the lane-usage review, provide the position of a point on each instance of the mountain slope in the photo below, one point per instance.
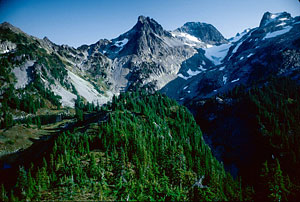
(148, 148)
(27, 60)
(145, 55)
(247, 106)
(235, 89)
(254, 55)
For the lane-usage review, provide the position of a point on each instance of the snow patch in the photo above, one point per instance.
(122, 43)
(281, 24)
(248, 56)
(193, 73)
(187, 38)
(274, 15)
(242, 58)
(217, 53)
(222, 68)
(235, 80)
(185, 87)
(237, 47)
(282, 19)
(184, 77)
(278, 33)
(201, 68)
(224, 79)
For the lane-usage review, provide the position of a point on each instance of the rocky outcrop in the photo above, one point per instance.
(207, 33)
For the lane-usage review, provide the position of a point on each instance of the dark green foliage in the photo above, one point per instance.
(8, 120)
(273, 183)
(278, 115)
(272, 113)
(79, 109)
(11, 36)
(28, 100)
(147, 148)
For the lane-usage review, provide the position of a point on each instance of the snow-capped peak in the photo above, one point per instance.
(274, 17)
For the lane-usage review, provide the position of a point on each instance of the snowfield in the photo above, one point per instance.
(277, 33)
(188, 39)
(217, 53)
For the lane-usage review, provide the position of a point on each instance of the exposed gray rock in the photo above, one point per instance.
(254, 55)
(145, 55)
(7, 46)
(204, 32)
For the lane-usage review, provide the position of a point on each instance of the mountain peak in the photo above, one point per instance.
(203, 31)
(143, 19)
(149, 25)
(46, 39)
(7, 25)
(273, 17)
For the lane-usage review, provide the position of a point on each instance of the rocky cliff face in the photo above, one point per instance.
(146, 55)
(204, 32)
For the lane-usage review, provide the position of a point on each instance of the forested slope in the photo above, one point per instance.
(148, 148)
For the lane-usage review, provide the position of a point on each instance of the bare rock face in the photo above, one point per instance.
(206, 33)
(6, 46)
(274, 18)
(146, 55)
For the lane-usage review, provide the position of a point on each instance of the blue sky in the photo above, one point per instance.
(77, 22)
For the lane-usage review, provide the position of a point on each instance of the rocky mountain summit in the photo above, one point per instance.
(204, 32)
(146, 55)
